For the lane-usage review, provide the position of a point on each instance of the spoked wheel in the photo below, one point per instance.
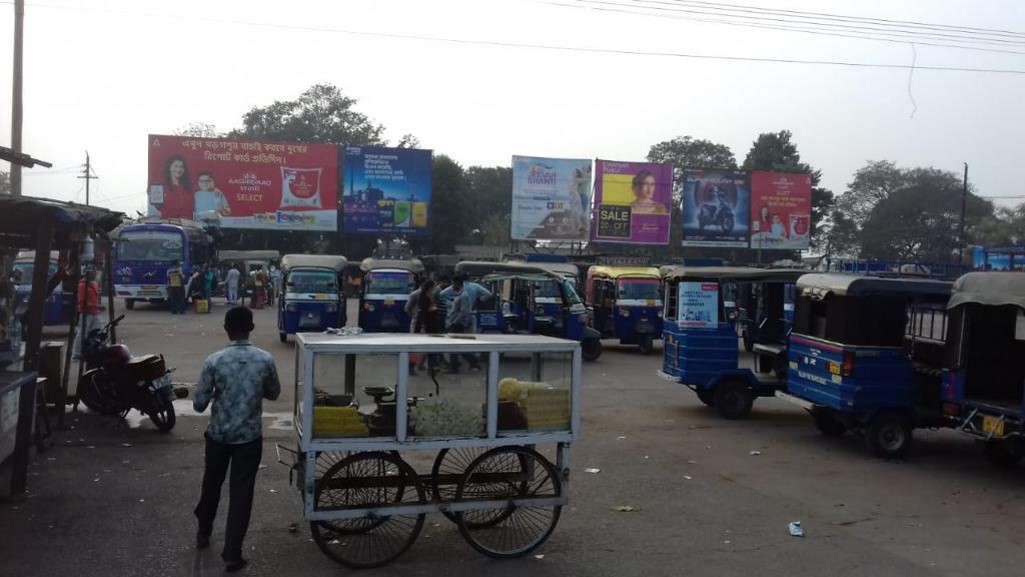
(449, 466)
(511, 530)
(96, 400)
(162, 414)
(367, 480)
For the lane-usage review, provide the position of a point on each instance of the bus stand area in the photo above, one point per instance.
(34, 373)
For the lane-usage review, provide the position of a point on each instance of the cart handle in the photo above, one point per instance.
(294, 464)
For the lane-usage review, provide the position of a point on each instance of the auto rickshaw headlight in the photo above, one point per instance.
(625, 313)
(330, 307)
(291, 307)
(369, 307)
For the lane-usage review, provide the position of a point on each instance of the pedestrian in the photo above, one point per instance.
(176, 288)
(88, 307)
(237, 379)
(275, 284)
(232, 281)
(259, 296)
(195, 287)
(460, 320)
(428, 320)
(208, 282)
(476, 293)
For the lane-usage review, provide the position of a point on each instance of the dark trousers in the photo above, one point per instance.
(245, 462)
(176, 295)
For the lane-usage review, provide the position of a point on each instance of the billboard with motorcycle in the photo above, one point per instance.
(715, 207)
(780, 210)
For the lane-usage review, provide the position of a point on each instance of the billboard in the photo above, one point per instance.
(780, 210)
(715, 208)
(551, 198)
(387, 190)
(251, 184)
(632, 201)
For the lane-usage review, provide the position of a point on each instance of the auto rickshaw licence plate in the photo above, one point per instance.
(993, 426)
(389, 302)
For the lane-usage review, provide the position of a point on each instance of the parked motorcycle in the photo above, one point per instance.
(115, 382)
(720, 213)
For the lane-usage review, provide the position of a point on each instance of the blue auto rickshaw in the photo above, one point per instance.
(626, 304)
(983, 386)
(313, 297)
(386, 286)
(702, 349)
(516, 309)
(866, 354)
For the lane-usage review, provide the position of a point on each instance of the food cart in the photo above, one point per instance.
(489, 450)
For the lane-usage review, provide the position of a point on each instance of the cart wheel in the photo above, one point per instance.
(888, 436)
(451, 463)
(706, 396)
(511, 530)
(647, 344)
(828, 425)
(733, 399)
(365, 480)
(1001, 453)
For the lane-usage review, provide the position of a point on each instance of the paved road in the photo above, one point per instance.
(115, 500)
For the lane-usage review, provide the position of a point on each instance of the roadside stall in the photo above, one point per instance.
(378, 448)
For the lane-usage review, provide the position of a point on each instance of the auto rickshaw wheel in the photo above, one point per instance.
(129, 304)
(889, 435)
(733, 399)
(591, 349)
(283, 337)
(828, 425)
(647, 344)
(1003, 453)
(706, 396)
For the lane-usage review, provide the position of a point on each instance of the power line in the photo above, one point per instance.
(537, 46)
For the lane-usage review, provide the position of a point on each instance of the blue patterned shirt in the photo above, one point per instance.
(237, 378)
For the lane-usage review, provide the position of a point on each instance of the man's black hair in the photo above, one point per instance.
(238, 320)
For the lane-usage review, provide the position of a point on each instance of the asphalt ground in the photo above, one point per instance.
(116, 498)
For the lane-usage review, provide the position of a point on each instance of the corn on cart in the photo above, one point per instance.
(384, 436)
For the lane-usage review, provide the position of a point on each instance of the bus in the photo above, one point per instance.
(144, 251)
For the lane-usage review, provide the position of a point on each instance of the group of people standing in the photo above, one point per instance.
(442, 307)
(205, 279)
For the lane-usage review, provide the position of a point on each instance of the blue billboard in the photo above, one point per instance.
(387, 190)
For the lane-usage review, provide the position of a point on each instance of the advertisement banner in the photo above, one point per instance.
(387, 190)
(698, 304)
(250, 184)
(551, 198)
(715, 208)
(631, 201)
(780, 210)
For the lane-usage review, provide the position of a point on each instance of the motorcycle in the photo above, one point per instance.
(115, 382)
(720, 214)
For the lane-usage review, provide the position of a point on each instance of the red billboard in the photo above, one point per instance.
(250, 184)
(780, 210)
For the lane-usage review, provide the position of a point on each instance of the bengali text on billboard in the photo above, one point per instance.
(249, 184)
(780, 210)
(387, 190)
(714, 207)
(632, 201)
(551, 198)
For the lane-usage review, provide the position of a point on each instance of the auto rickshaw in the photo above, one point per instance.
(516, 308)
(314, 299)
(386, 286)
(866, 354)
(702, 349)
(984, 383)
(626, 304)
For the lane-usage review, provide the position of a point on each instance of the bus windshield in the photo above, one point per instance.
(390, 283)
(312, 281)
(647, 289)
(150, 245)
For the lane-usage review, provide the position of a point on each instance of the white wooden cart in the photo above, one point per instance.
(498, 454)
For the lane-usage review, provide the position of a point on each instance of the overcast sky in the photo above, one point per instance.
(101, 75)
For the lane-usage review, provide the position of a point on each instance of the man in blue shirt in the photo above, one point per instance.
(237, 379)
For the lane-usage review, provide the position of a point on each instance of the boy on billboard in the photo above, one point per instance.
(208, 198)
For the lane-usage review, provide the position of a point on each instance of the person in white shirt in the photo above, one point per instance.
(231, 281)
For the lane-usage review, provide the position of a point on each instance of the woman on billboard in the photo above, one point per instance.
(644, 191)
(177, 202)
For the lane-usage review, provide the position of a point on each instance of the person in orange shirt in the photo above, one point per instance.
(88, 307)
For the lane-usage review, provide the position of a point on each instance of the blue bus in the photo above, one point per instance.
(144, 251)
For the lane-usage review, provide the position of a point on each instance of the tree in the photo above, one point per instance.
(321, 114)
(872, 184)
(5, 182)
(449, 226)
(489, 192)
(408, 141)
(775, 152)
(199, 129)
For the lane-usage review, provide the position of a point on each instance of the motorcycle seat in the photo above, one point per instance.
(143, 360)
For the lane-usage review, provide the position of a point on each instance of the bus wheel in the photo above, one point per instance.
(129, 304)
(733, 399)
(888, 436)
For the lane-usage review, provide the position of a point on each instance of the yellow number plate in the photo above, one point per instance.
(993, 425)
(389, 302)
(834, 368)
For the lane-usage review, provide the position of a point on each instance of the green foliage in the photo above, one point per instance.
(321, 114)
(449, 206)
(5, 182)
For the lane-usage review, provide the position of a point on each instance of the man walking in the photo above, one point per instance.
(88, 307)
(475, 293)
(176, 288)
(231, 281)
(237, 379)
(461, 320)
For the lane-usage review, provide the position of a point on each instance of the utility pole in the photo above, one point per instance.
(960, 234)
(87, 174)
(19, 27)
